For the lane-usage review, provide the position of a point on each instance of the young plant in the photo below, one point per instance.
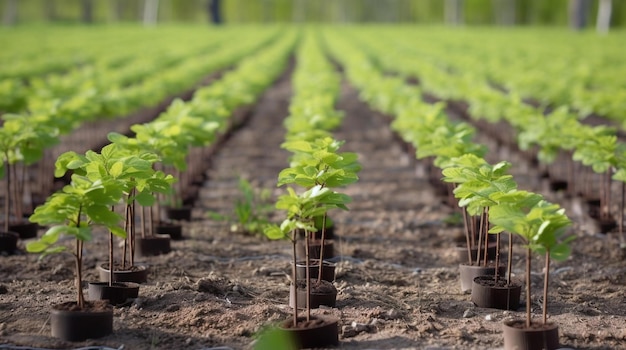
(301, 211)
(542, 226)
(132, 171)
(22, 142)
(318, 163)
(477, 183)
(75, 211)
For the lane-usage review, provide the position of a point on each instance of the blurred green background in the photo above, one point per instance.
(578, 14)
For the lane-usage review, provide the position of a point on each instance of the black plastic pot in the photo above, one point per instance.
(539, 337)
(72, 324)
(328, 270)
(319, 332)
(326, 296)
(8, 242)
(175, 231)
(153, 245)
(462, 255)
(116, 294)
(25, 229)
(315, 249)
(486, 293)
(469, 272)
(178, 213)
(137, 274)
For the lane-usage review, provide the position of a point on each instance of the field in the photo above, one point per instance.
(397, 272)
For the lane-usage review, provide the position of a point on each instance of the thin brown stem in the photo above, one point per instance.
(294, 279)
(467, 224)
(509, 264)
(546, 282)
(528, 299)
(323, 238)
(307, 276)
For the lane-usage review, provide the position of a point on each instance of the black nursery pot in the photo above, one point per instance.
(326, 295)
(175, 231)
(315, 249)
(537, 337)
(319, 332)
(486, 293)
(136, 274)
(8, 241)
(328, 270)
(462, 256)
(72, 324)
(118, 293)
(153, 245)
(178, 213)
(469, 272)
(25, 229)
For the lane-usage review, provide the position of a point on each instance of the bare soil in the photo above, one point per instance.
(397, 269)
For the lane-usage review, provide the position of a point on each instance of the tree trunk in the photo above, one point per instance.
(215, 12)
(87, 11)
(578, 11)
(299, 11)
(10, 13)
(150, 13)
(116, 10)
(505, 12)
(454, 12)
(603, 22)
(50, 10)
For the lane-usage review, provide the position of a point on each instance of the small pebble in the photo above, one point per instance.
(488, 317)
(468, 313)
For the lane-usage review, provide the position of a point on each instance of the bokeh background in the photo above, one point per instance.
(578, 14)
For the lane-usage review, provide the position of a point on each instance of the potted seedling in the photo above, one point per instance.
(301, 209)
(319, 162)
(476, 181)
(75, 211)
(21, 143)
(598, 150)
(542, 226)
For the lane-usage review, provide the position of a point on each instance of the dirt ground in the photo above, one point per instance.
(397, 269)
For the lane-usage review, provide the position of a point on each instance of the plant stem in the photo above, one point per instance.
(497, 257)
(111, 255)
(484, 227)
(509, 260)
(294, 237)
(545, 287)
(307, 276)
(7, 198)
(319, 273)
(467, 234)
(78, 255)
(621, 217)
(480, 242)
(528, 300)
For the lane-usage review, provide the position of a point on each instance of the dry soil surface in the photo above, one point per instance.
(397, 269)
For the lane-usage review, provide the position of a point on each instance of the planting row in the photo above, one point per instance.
(581, 150)
(490, 200)
(106, 187)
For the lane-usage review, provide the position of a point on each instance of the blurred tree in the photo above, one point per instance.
(87, 11)
(505, 12)
(578, 13)
(116, 10)
(215, 11)
(9, 17)
(603, 22)
(454, 12)
(150, 12)
(50, 10)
